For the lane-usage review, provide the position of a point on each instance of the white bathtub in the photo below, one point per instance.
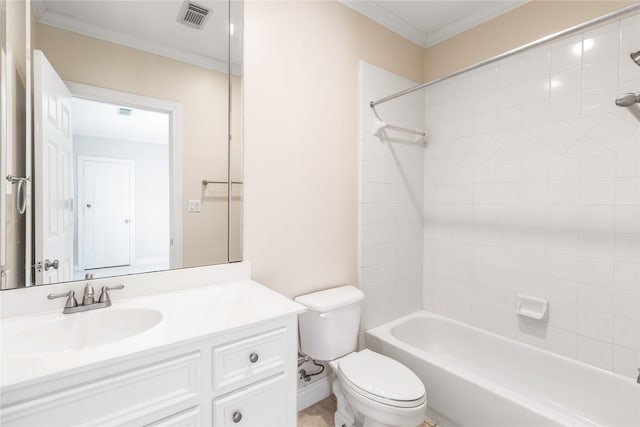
(476, 378)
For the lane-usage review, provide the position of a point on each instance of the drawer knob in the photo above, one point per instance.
(253, 357)
(237, 416)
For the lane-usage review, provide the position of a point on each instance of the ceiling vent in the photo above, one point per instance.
(193, 15)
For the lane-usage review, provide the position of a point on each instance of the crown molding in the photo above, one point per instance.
(38, 8)
(466, 23)
(388, 20)
(68, 23)
(398, 25)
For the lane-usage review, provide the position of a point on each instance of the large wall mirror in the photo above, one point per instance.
(120, 137)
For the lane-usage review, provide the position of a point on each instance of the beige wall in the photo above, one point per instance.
(301, 133)
(513, 29)
(203, 95)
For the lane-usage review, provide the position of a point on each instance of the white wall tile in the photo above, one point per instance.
(627, 247)
(564, 107)
(598, 165)
(564, 167)
(595, 325)
(563, 317)
(598, 191)
(599, 74)
(509, 70)
(626, 333)
(627, 276)
(627, 191)
(566, 54)
(595, 352)
(561, 342)
(563, 292)
(625, 361)
(602, 46)
(628, 219)
(594, 244)
(531, 186)
(597, 218)
(626, 305)
(595, 298)
(598, 101)
(535, 63)
(566, 82)
(564, 242)
(627, 155)
(391, 199)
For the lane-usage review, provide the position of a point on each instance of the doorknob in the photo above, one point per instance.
(48, 264)
(88, 205)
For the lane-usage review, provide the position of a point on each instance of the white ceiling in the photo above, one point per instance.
(427, 22)
(101, 119)
(152, 26)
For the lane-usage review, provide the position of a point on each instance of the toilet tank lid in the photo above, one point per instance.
(331, 299)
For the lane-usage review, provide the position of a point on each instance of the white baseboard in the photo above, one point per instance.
(314, 392)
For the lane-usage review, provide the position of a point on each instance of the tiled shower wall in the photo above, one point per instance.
(531, 186)
(390, 201)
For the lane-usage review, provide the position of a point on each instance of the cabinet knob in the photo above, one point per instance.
(237, 416)
(253, 357)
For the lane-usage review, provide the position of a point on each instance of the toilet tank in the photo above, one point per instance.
(329, 327)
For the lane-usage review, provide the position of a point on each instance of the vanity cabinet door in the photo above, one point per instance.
(131, 397)
(259, 405)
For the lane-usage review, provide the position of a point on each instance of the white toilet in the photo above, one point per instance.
(372, 390)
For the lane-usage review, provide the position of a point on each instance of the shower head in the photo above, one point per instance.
(628, 99)
(635, 56)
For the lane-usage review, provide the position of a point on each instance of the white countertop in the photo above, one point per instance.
(187, 314)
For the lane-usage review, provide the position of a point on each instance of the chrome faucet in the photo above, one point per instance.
(88, 299)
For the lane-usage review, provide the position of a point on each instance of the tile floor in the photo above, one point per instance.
(321, 415)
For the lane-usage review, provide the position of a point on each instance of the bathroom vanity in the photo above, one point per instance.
(223, 354)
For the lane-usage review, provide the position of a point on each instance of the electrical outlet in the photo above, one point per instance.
(194, 205)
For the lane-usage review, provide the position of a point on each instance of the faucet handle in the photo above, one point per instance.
(71, 298)
(104, 295)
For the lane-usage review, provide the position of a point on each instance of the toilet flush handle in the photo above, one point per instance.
(325, 315)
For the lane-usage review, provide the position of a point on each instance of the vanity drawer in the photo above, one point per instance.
(248, 360)
(125, 398)
(260, 405)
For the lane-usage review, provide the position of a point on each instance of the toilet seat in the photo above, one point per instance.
(381, 379)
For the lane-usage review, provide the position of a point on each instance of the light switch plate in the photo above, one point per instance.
(194, 205)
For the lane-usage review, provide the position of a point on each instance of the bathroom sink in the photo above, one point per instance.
(80, 331)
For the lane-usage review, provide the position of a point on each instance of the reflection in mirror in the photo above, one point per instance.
(131, 107)
(236, 137)
(14, 151)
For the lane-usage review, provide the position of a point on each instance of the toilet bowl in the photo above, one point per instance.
(378, 391)
(372, 390)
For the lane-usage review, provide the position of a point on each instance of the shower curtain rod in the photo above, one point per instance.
(598, 20)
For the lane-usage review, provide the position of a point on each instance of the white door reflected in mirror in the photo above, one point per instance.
(105, 191)
(101, 171)
(53, 153)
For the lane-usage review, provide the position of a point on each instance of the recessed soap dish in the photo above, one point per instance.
(532, 307)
